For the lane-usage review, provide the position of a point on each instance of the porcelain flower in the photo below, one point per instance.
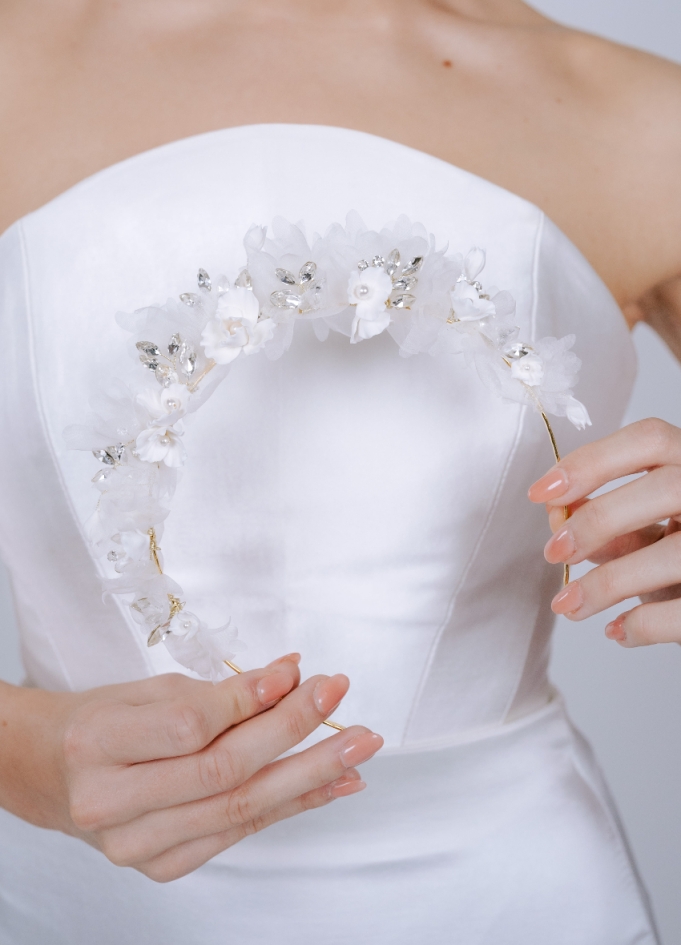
(161, 444)
(467, 304)
(165, 405)
(236, 327)
(369, 292)
(577, 413)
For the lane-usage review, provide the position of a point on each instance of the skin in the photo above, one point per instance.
(155, 773)
(621, 532)
(165, 773)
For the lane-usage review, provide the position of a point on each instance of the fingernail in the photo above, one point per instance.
(560, 547)
(344, 787)
(273, 687)
(550, 486)
(615, 629)
(290, 657)
(568, 600)
(329, 692)
(360, 749)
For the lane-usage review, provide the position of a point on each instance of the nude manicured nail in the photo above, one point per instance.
(273, 687)
(329, 692)
(290, 657)
(561, 547)
(344, 787)
(615, 630)
(360, 749)
(568, 600)
(550, 486)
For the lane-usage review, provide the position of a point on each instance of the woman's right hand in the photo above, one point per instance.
(164, 773)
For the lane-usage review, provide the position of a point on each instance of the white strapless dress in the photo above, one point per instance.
(367, 510)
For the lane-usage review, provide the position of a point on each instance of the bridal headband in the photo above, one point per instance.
(355, 281)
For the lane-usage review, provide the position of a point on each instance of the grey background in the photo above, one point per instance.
(628, 702)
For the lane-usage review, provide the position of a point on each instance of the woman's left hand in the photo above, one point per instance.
(620, 531)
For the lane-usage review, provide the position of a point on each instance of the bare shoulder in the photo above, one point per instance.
(630, 107)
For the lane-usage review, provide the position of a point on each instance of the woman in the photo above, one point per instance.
(406, 557)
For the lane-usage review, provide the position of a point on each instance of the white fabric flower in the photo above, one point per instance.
(199, 648)
(165, 405)
(467, 304)
(236, 328)
(369, 292)
(160, 444)
(135, 545)
(528, 369)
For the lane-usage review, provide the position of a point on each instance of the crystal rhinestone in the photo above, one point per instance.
(203, 279)
(362, 265)
(114, 556)
(188, 363)
(518, 350)
(104, 457)
(243, 280)
(413, 266)
(148, 362)
(307, 273)
(156, 636)
(189, 298)
(174, 343)
(402, 301)
(164, 375)
(377, 262)
(98, 476)
(148, 348)
(285, 300)
(392, 263)
(477, 285)
(404, 283)
(283, 275)
(222, 285)
(117, 451)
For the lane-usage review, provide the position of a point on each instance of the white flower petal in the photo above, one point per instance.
(528, 369)
(135, 544)
(577, 413)
(368, 327)
(474, 263)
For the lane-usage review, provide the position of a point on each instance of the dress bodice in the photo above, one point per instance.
(365, 509)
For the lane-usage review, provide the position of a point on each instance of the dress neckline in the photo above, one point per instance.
(191, 141)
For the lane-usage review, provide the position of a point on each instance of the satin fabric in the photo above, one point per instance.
(367, 510)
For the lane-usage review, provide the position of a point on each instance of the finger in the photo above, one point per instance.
(629, 508)
(280, 782)
(122, 734)
(189, 856)
(642, 572)
(635, 448)
(647, 624)
(557, 513)
(231, 759)
(627, 544)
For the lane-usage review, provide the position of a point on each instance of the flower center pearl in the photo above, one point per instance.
(362, 291)
(173, 404)
(164, 440)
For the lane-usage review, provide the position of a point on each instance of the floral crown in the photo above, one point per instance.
(352, 280)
